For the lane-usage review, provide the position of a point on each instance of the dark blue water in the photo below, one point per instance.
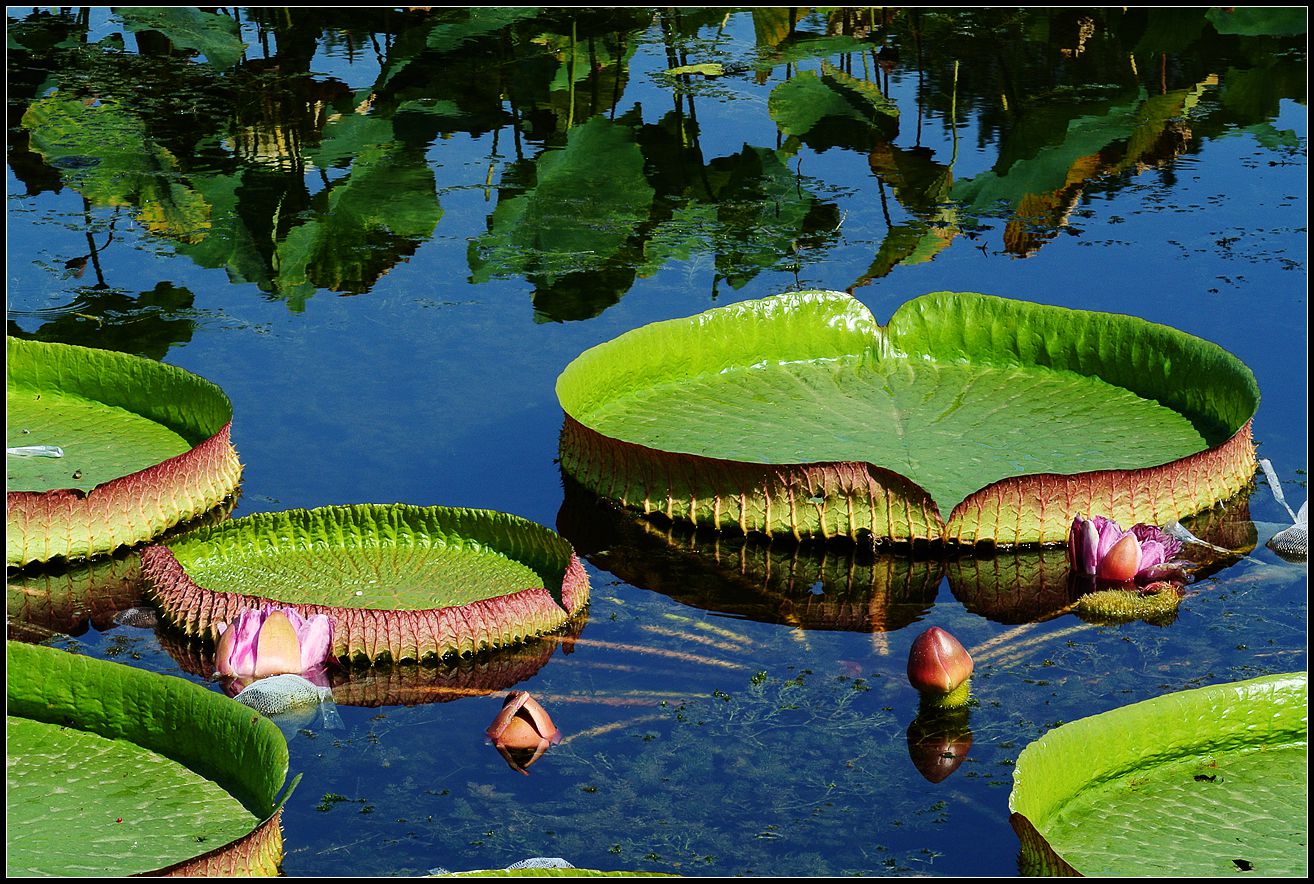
(727, 710)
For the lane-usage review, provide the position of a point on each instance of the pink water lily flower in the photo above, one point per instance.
(1099, 548)
(273, 641)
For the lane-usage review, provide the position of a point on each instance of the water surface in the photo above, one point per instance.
(384, 234)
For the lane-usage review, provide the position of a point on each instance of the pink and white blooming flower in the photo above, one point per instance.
(1098, 547)
(273, 641)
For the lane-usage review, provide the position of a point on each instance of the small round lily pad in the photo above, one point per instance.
(107, 449)
(966, 419)
(153, 774)
(1199, 783)
(400, 582)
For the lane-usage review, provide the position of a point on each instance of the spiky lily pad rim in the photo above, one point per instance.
(846, 498)
(1270, 711)
(366, 635)
(178, 719)
(72, 524)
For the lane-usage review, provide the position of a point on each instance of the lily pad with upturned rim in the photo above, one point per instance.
(400, 582)
(842, 585)
(801, 415)
(154, 774)
(145, 447)
(1204, 782)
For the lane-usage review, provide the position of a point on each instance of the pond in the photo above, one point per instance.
(385, 233)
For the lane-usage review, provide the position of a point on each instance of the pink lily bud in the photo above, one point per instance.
(522, 731)
(273, 641)
(938, 663)
(1122, 561)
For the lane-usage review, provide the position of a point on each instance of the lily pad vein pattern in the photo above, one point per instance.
(954, 426)
(150, 812)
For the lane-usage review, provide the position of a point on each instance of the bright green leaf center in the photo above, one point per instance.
(951, 427)
(100, 442)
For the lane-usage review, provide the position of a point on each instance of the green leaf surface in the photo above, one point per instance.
(112, 413)
(926, 398)
(100, 442)
(1207, 782)
(401, 558)
(148, 770)
(214, 36)
(169, 813)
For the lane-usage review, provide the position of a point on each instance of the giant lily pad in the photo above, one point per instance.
(801, 415)
(145, 447)
(152, 773)
(399, 582)
(1204, 782)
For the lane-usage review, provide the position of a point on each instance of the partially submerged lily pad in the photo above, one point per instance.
(801, 415)
(1143, 790)
(145, 446)
(842, 585)
(399, 582)
(154, 774)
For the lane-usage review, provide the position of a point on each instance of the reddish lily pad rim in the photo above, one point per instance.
(862, 499)
(366, 635)
(72, 524)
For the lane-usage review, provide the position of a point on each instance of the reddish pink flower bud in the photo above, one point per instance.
(1122, 561)
(522, 731)
(938, 663)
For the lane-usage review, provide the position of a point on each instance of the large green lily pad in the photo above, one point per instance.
(145, 447)
(1206, 782)
(801, 415)
(151, 773)
(399, 582)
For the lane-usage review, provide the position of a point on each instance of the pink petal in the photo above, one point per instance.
(1110, 534)
(1152, 553)
(316, 635)
(241, 656)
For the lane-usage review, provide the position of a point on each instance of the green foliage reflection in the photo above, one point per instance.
(221, 138)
